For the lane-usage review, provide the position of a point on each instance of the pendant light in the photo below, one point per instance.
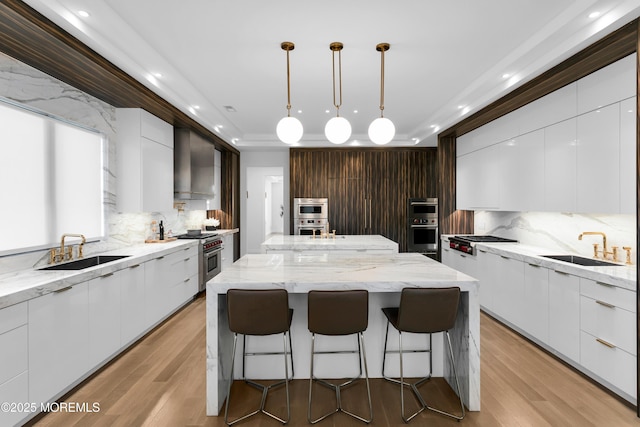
(382, 130)
(289, 129)
(338, 129)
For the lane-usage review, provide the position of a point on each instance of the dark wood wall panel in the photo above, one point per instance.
(28, 36)
(367, 188)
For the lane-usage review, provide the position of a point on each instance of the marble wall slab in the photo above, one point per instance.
(559, 231)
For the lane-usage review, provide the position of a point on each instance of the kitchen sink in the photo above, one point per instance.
(85, 262)
(587, 262)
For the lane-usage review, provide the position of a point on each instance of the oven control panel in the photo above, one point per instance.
(213, 244)
(424, 221)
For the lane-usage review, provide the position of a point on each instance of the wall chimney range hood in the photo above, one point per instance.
(193, 166)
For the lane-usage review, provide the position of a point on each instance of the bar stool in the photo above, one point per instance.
(338, 313)
(259, 312)
(423, 311)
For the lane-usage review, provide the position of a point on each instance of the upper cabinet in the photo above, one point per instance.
(573, 150)
(145, 162)
(607, 85)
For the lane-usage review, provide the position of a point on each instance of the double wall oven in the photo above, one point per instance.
(422, 226)
(310, 215)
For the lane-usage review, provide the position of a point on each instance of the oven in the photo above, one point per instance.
(310, 208)
(307, 227)
(422, 225)
(310, 215)
(210, 255)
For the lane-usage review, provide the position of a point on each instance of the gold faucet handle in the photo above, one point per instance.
(628, 250)
(595, 250)
(614, 253)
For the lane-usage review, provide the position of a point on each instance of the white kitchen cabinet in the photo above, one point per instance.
(14, 347)
(535, 310)
(560, 166)
(564, 314)
(610, 363)
(523, 172)
(487, 274)
(508, 297)
(104, 317)
(183, 266)
(478, 179)
(628, 137)
(133, 304)
(145, 162)
(608, 85)
(58, 341)
(227, 251)
(550, 109)
(598, 161)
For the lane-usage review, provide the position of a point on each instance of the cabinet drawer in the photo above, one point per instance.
(609, 294)
(612, 364)
(609, 323)
(14, 391)
(13, 353)
(13, 316)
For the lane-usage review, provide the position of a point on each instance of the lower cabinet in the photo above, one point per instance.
(564, 314)
(58, 341)
(49, 343)
(535, 311)
(14, 374)
(104, 316)
(227, 252)
(590, 324)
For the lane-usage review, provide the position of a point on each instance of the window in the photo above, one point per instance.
(51, 175)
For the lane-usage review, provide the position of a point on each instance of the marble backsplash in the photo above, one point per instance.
(559, 231)
(29, 86)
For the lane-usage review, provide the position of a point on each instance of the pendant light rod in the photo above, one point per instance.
(288, 46)
(382, 48)
(337, 47)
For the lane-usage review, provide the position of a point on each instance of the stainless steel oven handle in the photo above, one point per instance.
(434, 227)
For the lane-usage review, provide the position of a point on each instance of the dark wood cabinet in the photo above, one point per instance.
(367, 188)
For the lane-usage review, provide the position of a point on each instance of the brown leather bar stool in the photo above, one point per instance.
(259, 312)
(336, 313)
(423, 311)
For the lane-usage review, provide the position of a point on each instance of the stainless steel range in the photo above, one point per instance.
(210, 255)
(466, 244)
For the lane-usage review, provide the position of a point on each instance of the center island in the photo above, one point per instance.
(384, 276)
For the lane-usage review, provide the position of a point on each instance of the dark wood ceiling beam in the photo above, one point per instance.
(30, 37)
(611, 48)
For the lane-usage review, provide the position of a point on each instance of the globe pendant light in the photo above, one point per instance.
(338, 129)
(382, 130)
(289, 129)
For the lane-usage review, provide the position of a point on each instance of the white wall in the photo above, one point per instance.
(271, 158)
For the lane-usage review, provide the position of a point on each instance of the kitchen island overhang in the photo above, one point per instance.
(384, 276)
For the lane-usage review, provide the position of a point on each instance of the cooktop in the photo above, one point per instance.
(485, 239)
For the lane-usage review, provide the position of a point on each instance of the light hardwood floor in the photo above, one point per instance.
(161, 382)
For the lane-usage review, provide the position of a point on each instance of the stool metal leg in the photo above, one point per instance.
(263, 388)
(362, 359)
(265, 353)
(414, 386)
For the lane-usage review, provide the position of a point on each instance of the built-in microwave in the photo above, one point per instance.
(310, 208)
(423, 208)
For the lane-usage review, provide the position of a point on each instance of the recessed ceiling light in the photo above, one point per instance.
(415, 140)
(594, 15)
(192, 110)
(326, 111)
(219, 126)
(84, 13)
(230, 109)
(158, 75)
(234, 141)
(433, 126)
(216, 128)
(460, 107)
(355, 111)
(506, 75)
(299, 111)
(197, 107)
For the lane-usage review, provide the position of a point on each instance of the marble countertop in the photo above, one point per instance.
(299, 273)
(341, 242)
(23, 285)
(622, 276)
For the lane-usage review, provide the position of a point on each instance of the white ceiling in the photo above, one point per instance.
(447, 57)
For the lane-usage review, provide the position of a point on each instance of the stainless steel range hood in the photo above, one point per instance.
(193, 166)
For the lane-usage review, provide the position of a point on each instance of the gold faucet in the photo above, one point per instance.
(66, 254)
(605, 252)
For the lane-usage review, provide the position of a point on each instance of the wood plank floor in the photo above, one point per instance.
(161, 382)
